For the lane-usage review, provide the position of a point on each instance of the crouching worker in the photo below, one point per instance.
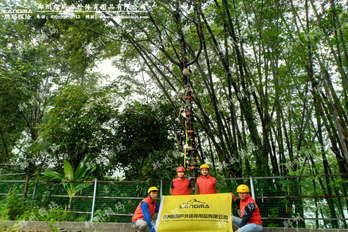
(145, 212)
(251, 218)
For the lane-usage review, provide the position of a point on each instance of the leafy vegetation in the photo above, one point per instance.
(70, 175)
(269, 88)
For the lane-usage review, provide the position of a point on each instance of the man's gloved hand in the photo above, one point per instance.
(152, 230)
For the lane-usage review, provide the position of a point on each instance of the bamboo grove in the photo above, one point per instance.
(270, 83)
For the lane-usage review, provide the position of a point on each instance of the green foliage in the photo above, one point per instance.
(12, 207)
(272, 225)
(68, 170)
(78, 126)
(37, 213)
(156, 168)
(72, 188)
(144, 132)
(101, 216)
(26, 68)
(52, 225)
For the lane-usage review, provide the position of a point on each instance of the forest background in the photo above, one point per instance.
(270, 87)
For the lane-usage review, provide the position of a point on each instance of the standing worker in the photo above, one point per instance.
(251, 218)
(180, 185)
(206, 184)
(145, 211)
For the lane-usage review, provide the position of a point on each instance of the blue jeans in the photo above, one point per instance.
(250, 227)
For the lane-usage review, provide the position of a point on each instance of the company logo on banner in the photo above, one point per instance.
(193, 204)
(195, 213)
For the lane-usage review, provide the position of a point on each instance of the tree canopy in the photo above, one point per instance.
(270, 86)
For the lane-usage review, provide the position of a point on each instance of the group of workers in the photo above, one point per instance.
(250, 220)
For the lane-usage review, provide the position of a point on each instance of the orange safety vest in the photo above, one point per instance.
(206, 186)
(138, 214)
(255, 216)
(181, 186)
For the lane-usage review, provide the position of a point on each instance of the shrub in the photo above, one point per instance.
(12, 207)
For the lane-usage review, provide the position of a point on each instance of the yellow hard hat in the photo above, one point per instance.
(187, 72)
(204, 166)
(152, 189)
(242, 189)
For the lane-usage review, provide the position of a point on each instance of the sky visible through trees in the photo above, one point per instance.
(269, 85)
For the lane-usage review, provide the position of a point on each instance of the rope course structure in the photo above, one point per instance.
(190, 152)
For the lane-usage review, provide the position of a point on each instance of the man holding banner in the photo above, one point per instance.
(251, 218)
(206, 184)
(180, 185)
(145, 212)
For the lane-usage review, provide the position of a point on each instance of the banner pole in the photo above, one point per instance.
(252, 187)
(161, 188)
(94, 195)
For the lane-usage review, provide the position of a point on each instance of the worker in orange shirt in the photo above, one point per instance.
(251, 217)
(145, 212)
(180, 185)
(206, 184)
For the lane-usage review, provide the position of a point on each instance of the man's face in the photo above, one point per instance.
(204, 171)
(153, 195)
(181, 174)
(242, 195)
